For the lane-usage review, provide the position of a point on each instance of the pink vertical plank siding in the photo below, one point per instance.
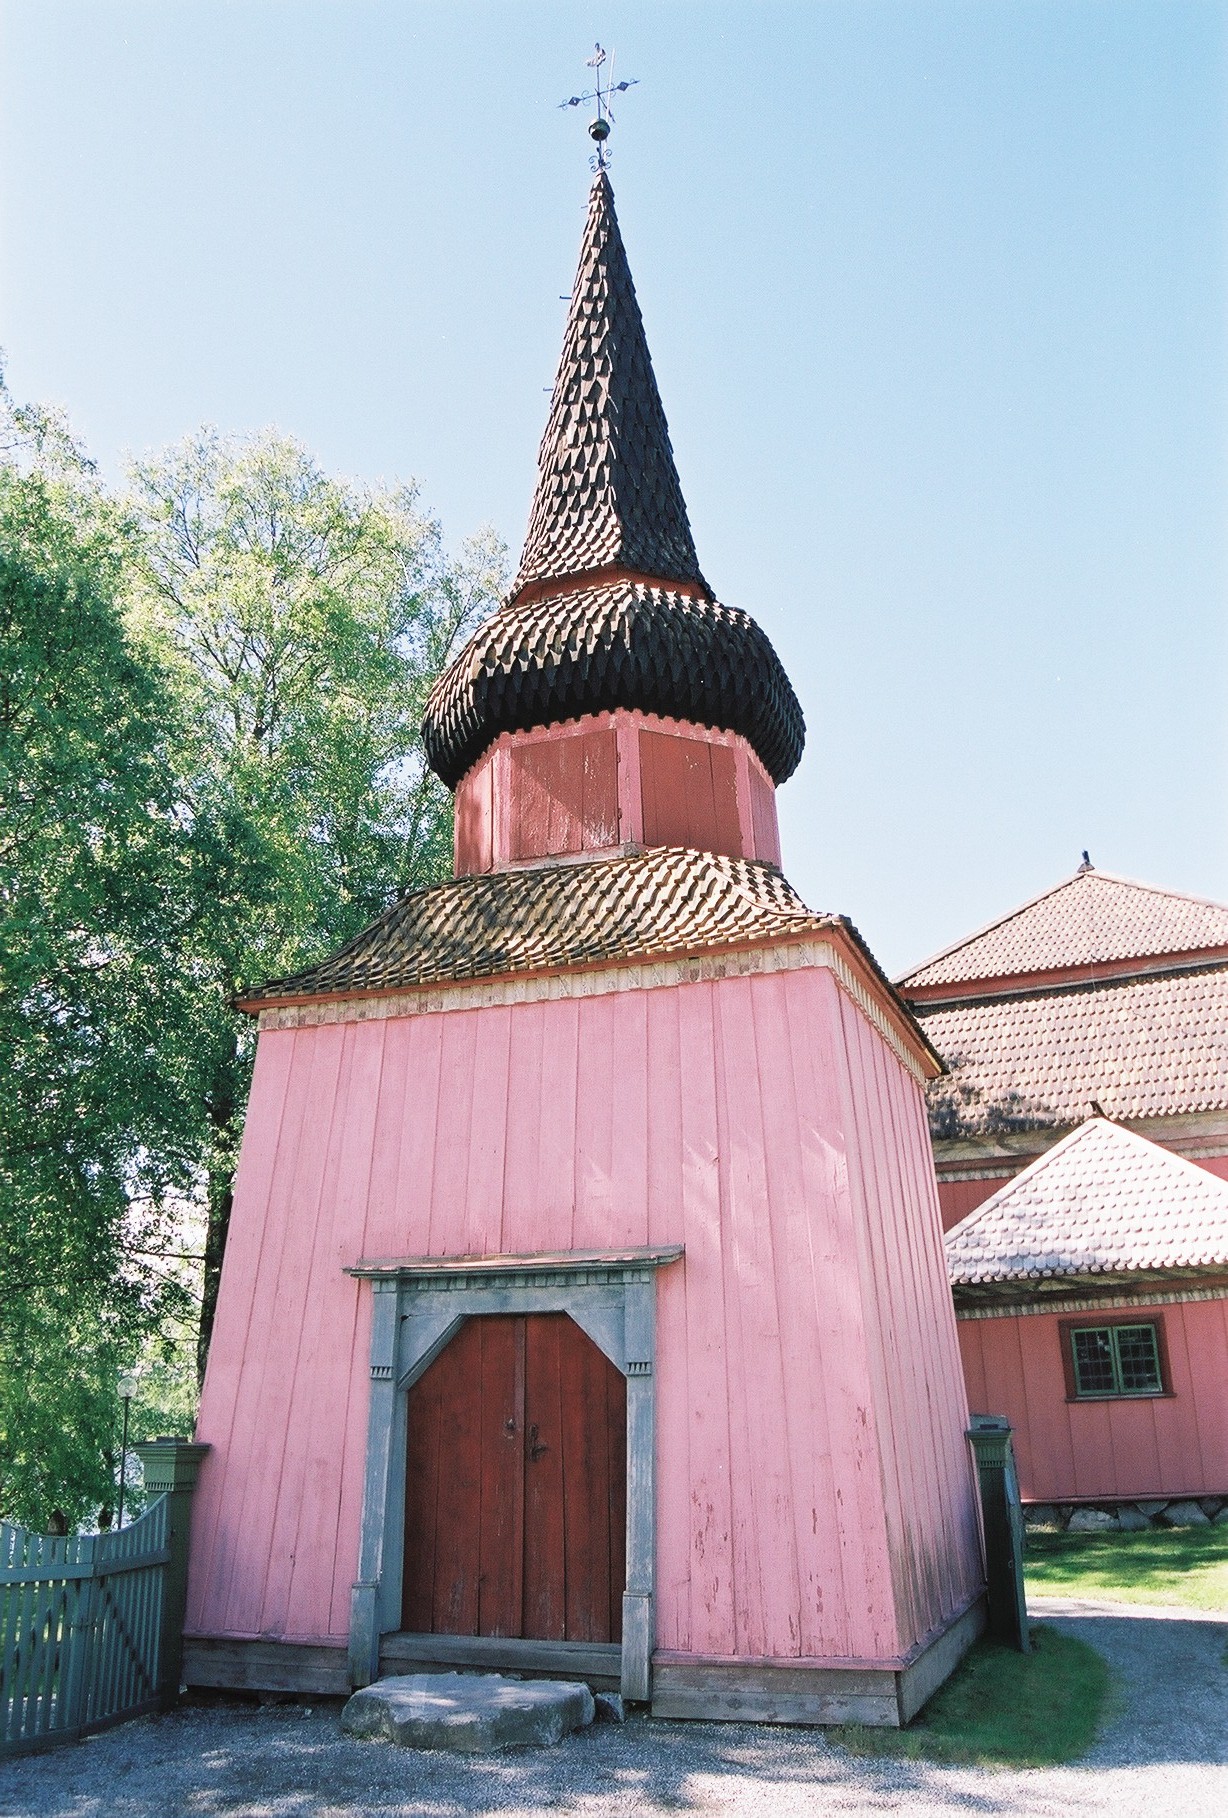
(1171, 1445)
(765, 830)
(236, 1335)
(605, 779)
(763, 1123)
(930, 1509)
(473, 827)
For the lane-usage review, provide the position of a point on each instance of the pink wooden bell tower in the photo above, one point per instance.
(593, 1186)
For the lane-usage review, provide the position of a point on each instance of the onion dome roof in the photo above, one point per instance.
(609, 608)
(621, 644)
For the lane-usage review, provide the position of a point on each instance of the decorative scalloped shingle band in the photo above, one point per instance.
(603, 981)
(615, 645)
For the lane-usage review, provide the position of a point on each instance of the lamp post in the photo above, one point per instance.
(127, 1389)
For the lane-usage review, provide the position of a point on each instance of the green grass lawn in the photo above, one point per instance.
(1186, 1566)
(1002, 1709)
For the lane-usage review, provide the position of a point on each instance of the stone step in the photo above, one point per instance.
(473, 1713)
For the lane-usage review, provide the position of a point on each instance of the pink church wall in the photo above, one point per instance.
(1171, 1445)
(614, 779)
(806, 1351)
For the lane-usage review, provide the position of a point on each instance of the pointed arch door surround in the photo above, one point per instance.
(418, 1306)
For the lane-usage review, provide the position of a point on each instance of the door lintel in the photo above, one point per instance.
(552, 1262)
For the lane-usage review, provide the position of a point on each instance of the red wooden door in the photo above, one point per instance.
(515, 1492)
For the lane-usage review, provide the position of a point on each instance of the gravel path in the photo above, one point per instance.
(1163, 1754)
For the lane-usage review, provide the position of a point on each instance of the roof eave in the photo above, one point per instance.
(838, 929)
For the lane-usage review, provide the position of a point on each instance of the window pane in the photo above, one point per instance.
(1138, 1360)
(1093, 1361)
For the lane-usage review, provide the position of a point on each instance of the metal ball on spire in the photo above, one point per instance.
(599, 126)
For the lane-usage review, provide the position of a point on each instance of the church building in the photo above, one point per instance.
(1081, 1142)
(584, 1309)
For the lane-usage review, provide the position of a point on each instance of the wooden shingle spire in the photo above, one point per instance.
(608, 494)
(609, 608)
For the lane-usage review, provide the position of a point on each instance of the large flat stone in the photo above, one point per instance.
(1091, 1521)
(473, 1713)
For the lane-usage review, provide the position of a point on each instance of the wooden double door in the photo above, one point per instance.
(516, 1489)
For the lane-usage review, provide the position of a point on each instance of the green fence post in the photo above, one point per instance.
(170, 1467)
(1002, 1521)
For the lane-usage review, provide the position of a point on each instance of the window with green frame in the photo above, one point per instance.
(1119, 1358)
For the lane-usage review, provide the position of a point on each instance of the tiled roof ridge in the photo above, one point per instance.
(978, 934)
(607, 487)
(1091, 873)
(1042, 1164)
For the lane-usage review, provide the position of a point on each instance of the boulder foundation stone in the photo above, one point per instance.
(1184, 1515)
(467, 1713)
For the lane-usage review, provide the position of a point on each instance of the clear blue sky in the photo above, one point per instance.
(936, 294)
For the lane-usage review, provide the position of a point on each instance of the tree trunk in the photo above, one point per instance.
(215, 1250)
(221, 1106)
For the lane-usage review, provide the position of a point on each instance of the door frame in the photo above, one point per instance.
(417, 1306)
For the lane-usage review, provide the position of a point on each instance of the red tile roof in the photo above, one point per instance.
(1090, 918)
(1141, 1047)
(1102, 1201)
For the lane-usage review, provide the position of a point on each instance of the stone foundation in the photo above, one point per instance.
(1128, 1517)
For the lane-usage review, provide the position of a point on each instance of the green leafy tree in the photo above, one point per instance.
(92, 1138)
(301, 621)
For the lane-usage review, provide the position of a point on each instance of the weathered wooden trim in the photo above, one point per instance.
(1142, 1297)
(239, 1665)
(738, 960)
(715, 1693)
(884, 1694)
(534, 1264)
(378, 1485)
(1194, 1134)
(639, 1316)
(597, 1663)
(920, 1679)
(1051, 981)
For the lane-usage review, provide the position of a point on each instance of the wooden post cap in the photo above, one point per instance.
(170, 1464)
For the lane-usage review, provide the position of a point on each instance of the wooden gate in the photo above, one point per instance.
(81, 1629)
(515, 1503)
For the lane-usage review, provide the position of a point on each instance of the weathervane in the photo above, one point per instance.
(603, 119)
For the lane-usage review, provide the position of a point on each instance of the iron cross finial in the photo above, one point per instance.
(603, 87)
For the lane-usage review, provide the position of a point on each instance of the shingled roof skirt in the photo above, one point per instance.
(608, 493)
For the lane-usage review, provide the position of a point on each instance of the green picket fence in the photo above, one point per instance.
(81, 1629)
